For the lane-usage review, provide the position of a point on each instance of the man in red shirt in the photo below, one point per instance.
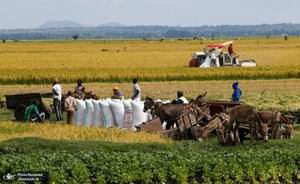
(230, 50)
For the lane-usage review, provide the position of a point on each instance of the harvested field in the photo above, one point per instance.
(265, 94)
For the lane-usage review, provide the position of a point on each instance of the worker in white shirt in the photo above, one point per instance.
(181, 99)
(57, 99)
(213, 58)
(136, 90)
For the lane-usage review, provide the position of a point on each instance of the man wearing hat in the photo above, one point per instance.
(117, 94)
(237, 92)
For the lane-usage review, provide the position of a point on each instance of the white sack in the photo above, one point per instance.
(127, 123)
(107, 114)
(80, 113)
(89, 113)
(117, 109)
(98, 118)
(138, 116)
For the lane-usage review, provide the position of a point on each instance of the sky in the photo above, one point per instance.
(33, 13)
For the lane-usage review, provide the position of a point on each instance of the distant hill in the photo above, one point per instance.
(61, 24)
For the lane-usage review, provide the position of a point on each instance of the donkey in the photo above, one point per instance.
(166, 112)
(287, 132)
(274, 119)
(247, 114)
(220, 122)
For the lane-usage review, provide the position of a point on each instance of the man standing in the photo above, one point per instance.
(57, 99)
(70, 106)
(136, 90)
(230, 50)
(237, 93)
(213, 58)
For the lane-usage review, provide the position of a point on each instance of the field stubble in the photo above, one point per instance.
(265, 94)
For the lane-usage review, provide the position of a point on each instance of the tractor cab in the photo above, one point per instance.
(227, 60)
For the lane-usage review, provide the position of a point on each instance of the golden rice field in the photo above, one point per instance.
(10, 130)
(121, 60)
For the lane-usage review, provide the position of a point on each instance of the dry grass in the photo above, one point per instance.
(265, 94)
(10, 130)
(41, 61)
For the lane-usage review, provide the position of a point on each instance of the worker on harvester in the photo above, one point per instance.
(213, 58)
(237, 92)
(230, 50)
(117, 94)
(32, 113)
(181, 99)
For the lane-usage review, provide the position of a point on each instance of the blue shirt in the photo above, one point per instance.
(119, 95)
(237, 93)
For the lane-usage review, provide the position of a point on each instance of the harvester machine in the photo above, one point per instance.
(204, 59)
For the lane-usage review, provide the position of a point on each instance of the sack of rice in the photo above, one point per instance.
(117, 109)
(98, 118)
(138, 115)
(107, 114)
(127, 122)
(80, 113)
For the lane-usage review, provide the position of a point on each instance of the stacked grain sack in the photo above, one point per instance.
(80, 113)
(110, 113)
(127, 114)
(98, 117)
(138, 115)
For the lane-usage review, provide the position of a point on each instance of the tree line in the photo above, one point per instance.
(151, 32)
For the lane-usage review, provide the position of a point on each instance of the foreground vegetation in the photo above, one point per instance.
(94, 160)
(185, 162)
(38, 62)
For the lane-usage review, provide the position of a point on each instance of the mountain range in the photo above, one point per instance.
(73, 24)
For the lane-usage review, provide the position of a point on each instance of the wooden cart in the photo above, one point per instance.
(20, 102)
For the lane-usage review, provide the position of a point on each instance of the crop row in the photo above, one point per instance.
(174, 167)
(35, 76)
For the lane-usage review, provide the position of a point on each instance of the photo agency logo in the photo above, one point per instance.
(9, 176)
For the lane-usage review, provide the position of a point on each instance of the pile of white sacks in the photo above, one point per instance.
(111, 113)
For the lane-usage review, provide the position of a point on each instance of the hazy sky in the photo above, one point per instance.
(32, 13)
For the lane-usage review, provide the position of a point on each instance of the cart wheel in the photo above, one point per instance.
(19, 112)
(47, 110)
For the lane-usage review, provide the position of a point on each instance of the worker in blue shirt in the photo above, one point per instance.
(237, 93)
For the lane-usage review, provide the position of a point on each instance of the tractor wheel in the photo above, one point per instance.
(47, 110)
(20, 112)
